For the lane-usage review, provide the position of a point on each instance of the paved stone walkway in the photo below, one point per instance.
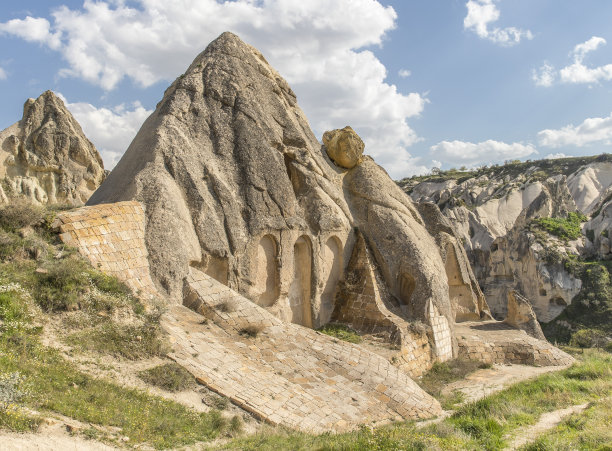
(284, 373)
(497, 342)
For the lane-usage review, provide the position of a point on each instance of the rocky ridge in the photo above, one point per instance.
(46, 158)
(502, 217)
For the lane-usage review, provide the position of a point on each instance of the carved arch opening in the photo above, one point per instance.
(331, 270)
(266, 274)
(300, 289)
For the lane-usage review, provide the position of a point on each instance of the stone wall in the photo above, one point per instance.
(111, 236)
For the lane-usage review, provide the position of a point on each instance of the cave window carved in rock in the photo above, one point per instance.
(406, 286)
(331, 270)
(300, 289)
(558, 301)
(266, 274)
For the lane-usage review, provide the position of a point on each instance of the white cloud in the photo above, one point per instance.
(592, 130)
(481, 14)
(577, 72)
(316, 45)
(555, 156)
(404, 73)
(545, 76)
(3, 75)
(111, 130)
(32, 30)
(473, 154)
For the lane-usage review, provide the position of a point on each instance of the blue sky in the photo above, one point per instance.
(426, 83)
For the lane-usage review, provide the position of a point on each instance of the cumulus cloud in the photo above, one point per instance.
(3, 75)
(404, 73)
(481, 14)
(474, 154)
(111, 130)
(592, 130)
(555, 156)
(317, 45)
(545, 76)
(32, 29)
(577, 72)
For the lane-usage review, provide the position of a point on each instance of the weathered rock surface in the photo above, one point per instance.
(521, 315)
(46, 157)
(492, 210)
(236, 185)
(344, 147)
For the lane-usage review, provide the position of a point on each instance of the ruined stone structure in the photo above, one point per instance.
(249, 222)
(235, 184)
(46, 158)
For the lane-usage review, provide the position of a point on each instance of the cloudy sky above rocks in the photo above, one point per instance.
(445, 83)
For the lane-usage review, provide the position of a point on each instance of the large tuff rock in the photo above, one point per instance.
(493, 210)
(236, 185)
(46, 156)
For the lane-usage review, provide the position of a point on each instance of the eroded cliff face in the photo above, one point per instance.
(46, 157)
(493, 212)
(235, 184)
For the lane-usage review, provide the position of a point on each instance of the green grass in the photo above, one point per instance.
(480, 425)
(170, 376)
(566, 229)
(588, 430)
(341, 332)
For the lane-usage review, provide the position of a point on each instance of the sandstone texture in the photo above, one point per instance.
(235, 184)
(344, 147)
(46, 158)
(492, 211)
(521, 315)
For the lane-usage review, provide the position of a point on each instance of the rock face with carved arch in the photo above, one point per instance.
(300, 290)
(235, 186)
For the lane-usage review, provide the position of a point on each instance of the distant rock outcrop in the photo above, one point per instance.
(493, 211)
(236, 185)
(46, 158)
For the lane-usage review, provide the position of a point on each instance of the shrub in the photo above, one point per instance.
(251, 330)
(170, 376)
(62, 285)
(589, 338)
(565, 228)
(18, 215)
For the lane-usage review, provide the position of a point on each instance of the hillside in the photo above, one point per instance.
(540, 227)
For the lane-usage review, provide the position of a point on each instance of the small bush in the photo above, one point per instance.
(227, 306)
(216, 401)
(62, 285)
(11, 390)
(589, 338)
(251, 330)
(170, 376)
(18, 215)
(341, 332)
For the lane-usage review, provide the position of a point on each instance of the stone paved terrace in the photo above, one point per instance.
(287, 374)
(497, 342)
(111, 236)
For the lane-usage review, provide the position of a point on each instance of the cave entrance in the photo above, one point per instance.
(300, 290)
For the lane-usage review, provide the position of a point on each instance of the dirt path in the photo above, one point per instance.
(485, 382)
(547, 421)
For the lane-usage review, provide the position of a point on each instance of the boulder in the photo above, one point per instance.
(521, 315)
(344, 147)
(46, 156)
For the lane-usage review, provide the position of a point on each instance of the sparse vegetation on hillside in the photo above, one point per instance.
(169, 376)
(40, 279)
(566, 229)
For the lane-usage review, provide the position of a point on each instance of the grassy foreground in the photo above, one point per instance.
(486, 424)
